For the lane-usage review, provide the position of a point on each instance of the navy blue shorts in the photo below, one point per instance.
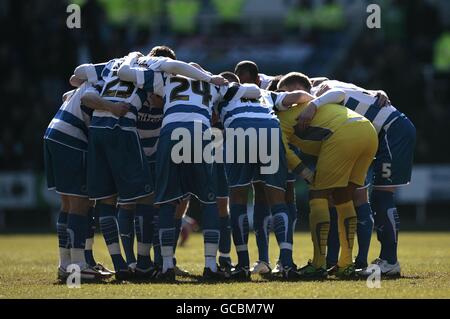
(174, 180)
(117, 165)
(394, 159)
(65, 168)
(244, 171)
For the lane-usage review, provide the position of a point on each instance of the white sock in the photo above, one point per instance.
(64, 257)
(89, 243)
(167, 263)
(77, 256)
(210, 262)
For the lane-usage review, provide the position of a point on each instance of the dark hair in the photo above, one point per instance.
(273, 84)
(164, 51)
(230, 76)
(295, 78)
(249, 67)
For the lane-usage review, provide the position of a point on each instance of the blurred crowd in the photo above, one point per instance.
(407, 57)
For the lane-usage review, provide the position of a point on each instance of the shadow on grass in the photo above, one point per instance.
(194, 280)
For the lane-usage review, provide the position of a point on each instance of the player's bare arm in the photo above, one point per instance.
(296, 97)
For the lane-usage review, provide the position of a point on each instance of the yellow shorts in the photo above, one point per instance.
(346, 156)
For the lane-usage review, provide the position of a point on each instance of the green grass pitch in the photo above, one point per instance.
(28, 270)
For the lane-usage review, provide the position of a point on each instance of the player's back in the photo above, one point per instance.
(116, 90)
(70, 124)
(242, 109)
(328, 119)
(364, 103)
(186, 100)
(148, 126)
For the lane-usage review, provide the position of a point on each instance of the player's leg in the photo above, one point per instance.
(90, 233)
(319, 224)
(144, 228)
(157, 258)
(275, 190)
(291, 204)
(102, 188)
(168, 192)
(182, 209)
(63, 239)
(333, 245)
(282, 227)
(199, 180)
(90, 237)
(346, 227)
(77, 225)
(387, 224)
(225, 234)
(361, 137)
(125, 220)
(61, 221)
(261, 226)
(364, 226)
(240, 228)
(392, 169)
(292, 208)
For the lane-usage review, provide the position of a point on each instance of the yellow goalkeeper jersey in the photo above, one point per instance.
(326, 121)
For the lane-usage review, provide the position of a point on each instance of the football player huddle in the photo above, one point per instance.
(139, 135)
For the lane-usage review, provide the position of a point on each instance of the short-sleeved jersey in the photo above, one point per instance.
(264, 80)
(187, 100)
(327, 120)
(70, 124)
(364, 103)
(235, 107)
(116, 90)
(149, 125)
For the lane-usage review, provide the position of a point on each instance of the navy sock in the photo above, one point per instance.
(364, 230)
(387, 223)
(90, 238)
(333, 239)
(125, 219)
(167, 234)
(225, 240)
(110, 231)
(240, 229)
(156, 244)
(283, 232)
(292, 207)
(143, 222)
(63, 240)
(76, 228)
(178, 222)
(261, 226)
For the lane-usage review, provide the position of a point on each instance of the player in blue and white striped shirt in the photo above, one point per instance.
(236, 114)
(188, 105)
(65, 148)
(391, 169)
(116, 158)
